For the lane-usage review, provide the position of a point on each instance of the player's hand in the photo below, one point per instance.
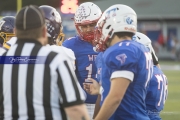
(92, 88)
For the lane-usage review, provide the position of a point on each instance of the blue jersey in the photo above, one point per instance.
(99, 66)
(85, 62)
(156, 94)
(135, 58)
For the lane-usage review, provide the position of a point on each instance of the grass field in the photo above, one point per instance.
(172, 106)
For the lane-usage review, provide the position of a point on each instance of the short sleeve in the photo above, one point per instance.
(65, 43)
(2, 51)
(68, 42)
(122, 63)
(70, 55)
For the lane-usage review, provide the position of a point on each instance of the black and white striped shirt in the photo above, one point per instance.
(37, 91)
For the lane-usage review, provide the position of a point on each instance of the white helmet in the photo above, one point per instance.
(143, 39)
(87, 13)
(117, 18)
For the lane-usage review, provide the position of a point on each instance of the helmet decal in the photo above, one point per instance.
(109, 11)
(129, 20)
(1, 23)
(83, 13)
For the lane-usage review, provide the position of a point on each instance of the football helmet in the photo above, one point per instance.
(117, 18)
(53, 24)
(87, 13)
(143, 39)
(6, 28)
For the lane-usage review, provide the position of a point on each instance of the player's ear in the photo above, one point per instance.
(44, 32)
(14, 30)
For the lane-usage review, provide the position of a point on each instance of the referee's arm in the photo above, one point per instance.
(71, 93)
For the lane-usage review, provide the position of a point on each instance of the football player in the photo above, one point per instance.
(6, 29)
(157, 89)
(6, 32)
(85, 20)
(127, 66)
(54, 25)
(54, 32)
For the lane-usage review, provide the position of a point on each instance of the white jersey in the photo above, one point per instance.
(12, 41)
(2, 51)
(65, 52)
(69, 54)
(7, 45)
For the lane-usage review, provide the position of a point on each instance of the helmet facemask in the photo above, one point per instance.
(6, 36)
(86, 31)
(100, 41)
(60, 38)
(55, 33)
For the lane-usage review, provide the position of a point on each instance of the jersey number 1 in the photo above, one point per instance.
(89, 69)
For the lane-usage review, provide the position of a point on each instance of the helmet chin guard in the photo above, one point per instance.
(86, 36)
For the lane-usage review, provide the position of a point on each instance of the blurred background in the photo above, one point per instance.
(158, 19)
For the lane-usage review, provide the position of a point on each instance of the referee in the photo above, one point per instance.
(36, 83)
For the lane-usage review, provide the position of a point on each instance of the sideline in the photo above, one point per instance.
(170, 67)
(170, 113)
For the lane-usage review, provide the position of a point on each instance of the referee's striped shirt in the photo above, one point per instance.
(37, 91)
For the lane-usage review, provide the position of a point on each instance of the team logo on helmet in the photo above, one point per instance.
(109, 11)
(129, 20)
(83, 13)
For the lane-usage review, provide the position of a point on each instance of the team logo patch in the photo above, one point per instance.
(121, 58)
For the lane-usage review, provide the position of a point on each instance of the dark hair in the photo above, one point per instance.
(50, 41)
(120, 35)
(30, 34)
(123, 34)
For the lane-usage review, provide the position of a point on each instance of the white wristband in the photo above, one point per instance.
(101, 90)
